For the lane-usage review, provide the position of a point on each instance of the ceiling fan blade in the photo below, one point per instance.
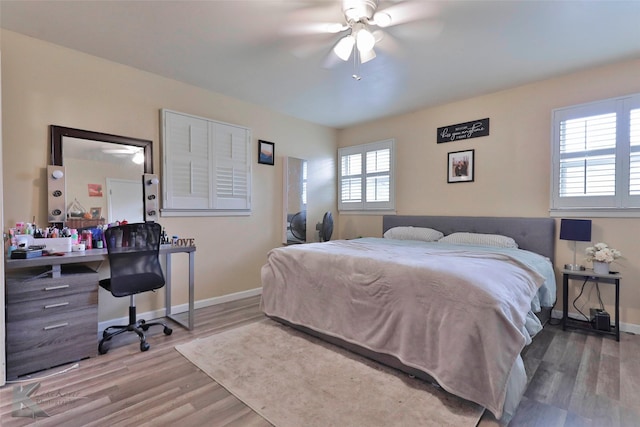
(418, 30)
(410, 11)
(314, 20)
(308, 28)
(310, 48)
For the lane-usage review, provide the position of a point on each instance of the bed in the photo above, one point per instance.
(458, 315)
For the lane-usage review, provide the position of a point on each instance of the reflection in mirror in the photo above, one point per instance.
(103, 175)
(295, 200)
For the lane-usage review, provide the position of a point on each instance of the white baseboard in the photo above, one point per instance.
(631, 328)
(182, 308)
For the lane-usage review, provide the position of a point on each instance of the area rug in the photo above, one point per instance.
(293, 379)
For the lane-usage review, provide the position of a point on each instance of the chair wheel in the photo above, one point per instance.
(142, 321)
(168, 330)
(144, 327)
(103, 348)
(144, 346)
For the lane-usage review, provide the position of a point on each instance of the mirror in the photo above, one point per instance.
(103, 175)
(295, 200)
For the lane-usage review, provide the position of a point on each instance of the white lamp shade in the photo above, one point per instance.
(344, 47)
(367, 56)
(365, 40)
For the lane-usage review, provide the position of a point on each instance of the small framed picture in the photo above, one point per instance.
(460, 166)
(95, 190)
(266, 152)
(96, 213)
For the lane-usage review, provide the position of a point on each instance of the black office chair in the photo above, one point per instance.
(135, 267)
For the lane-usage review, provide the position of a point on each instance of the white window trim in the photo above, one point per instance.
(214, 207)
(362, 207)
(619, 205)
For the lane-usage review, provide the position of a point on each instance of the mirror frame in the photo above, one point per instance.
(58, 132)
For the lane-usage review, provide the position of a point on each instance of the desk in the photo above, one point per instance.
(100, 255)
(589, 275)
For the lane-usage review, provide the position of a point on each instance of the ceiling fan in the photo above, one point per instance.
(366, 23)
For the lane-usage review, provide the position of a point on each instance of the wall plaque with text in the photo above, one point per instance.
(466, 130)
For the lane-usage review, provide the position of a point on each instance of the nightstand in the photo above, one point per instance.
(590, 276)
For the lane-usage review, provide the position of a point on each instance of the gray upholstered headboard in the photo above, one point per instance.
(532, 234)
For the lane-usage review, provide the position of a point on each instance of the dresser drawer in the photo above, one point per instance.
(39, 350)
(29, 285)
(52, 331)
(51, 306)
(50, 321)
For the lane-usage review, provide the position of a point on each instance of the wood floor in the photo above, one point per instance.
(575, 380)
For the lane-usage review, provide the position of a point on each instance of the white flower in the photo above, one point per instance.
(602, 252)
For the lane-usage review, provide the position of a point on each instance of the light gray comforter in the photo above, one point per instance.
(455, 312)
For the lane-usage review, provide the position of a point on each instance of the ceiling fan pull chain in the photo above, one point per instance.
(356, 65)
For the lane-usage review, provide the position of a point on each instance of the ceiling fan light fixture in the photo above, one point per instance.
(344, 47)
(382, 19)
(367, 56)
(355, 14)
(365, 40)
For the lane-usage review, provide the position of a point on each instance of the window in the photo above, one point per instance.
(366, 177)
(596, 157)
(207, 167)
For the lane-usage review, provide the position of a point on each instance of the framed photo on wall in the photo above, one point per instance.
(266, 152)
(460, 166)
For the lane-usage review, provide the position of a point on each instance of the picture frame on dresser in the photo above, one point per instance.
(96, 213)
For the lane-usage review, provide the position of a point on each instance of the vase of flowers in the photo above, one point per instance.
(602, 255)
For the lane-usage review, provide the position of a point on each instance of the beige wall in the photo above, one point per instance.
(45, 84)
(512, 174)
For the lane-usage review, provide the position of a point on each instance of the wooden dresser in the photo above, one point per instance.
(50, 321)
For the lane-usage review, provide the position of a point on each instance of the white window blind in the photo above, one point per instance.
(587, 156)
(634, 155)
(596, 156)
(207, 166)
(367, 176)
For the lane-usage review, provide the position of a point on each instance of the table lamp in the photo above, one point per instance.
(578, 230)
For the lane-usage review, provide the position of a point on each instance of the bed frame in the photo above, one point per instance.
(532, 234)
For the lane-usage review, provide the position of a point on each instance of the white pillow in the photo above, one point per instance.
(480, 239)
(413, 233)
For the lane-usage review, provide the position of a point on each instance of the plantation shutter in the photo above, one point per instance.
(366, 177)
(588, 156)
(207, 167)
(232, 166)
(187, 169)
(634, 156)
(596, 157)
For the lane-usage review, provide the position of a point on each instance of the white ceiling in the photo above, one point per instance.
(257, 50)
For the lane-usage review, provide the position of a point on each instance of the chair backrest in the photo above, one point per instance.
(134, 258)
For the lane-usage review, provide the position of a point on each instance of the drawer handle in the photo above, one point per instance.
(53, 288)
(60, 304)
(59, 325)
